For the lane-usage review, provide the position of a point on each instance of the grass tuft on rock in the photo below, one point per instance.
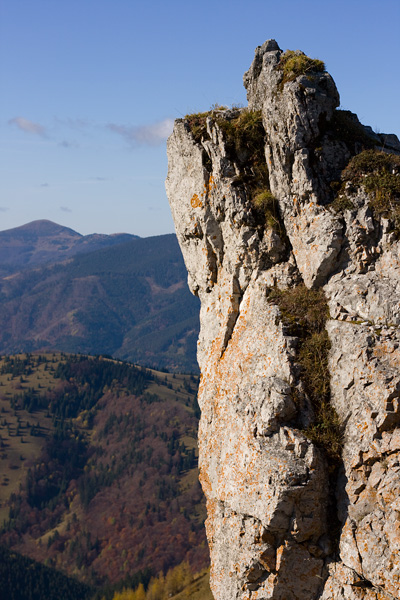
(244, 135)
(344, 126)
(305, 313)
(267, 205)
(197, 123)
(303, 310)
(243, 130)
(294, 63)
(244, 138)
(379, 173)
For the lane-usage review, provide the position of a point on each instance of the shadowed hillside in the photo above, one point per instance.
(41, 242)
(130, 300)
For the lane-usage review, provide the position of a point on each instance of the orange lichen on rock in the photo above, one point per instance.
(270, 490)
(195, 201)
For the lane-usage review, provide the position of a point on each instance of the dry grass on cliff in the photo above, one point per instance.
(326, 430)
(242, 128)
(267, 205)
(197, 123)
(379, 173)
(305, 312)
(344, 126)
(244, 135)
(244, 138)
(294, 63)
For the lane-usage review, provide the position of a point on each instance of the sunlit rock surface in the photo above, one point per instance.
(280, 525)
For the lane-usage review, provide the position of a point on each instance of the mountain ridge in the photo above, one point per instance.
(129, 299)
(43, 241)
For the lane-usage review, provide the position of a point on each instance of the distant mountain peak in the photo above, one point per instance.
(43, 242)
(41, 228)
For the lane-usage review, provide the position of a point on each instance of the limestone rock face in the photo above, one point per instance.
(283, 523)
(293, 115)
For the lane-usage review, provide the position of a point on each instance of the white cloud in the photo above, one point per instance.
(28, 126)
(149, 135)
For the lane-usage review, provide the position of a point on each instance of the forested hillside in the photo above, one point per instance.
(130, 300)
(24, 579)
(99, 467)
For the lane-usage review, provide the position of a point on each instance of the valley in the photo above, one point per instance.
(99, 467)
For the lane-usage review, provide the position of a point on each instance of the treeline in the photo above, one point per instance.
(24, 579)
(90, 377)
(84, 382)
(65, 452)
(63, 459)
(158, 588)
(100, 372)
(18, 365)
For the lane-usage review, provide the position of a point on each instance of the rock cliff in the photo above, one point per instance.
(287, 213)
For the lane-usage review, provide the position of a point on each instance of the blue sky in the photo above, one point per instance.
(90, 89)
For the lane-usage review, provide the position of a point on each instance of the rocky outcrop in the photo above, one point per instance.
(285, 519)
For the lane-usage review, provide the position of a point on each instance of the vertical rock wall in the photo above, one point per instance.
(282, 522)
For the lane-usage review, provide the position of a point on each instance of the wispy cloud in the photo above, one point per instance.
(4, 208)
(28, 126)
(44, 184)
(65, 209)
(149, 135)
(67, 144)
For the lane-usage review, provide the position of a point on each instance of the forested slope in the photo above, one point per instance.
(99, 467)
(130, 300)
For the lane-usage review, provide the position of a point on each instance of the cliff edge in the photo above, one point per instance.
(288, 216)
